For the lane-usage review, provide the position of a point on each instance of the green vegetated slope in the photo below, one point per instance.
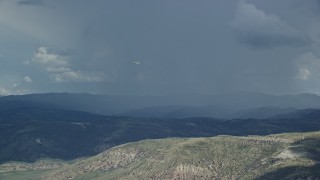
(285, 156)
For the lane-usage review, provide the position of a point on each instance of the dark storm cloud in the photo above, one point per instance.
(314, 5)
(262, 40)
(31, 3)
(181, 46)
(258, 29)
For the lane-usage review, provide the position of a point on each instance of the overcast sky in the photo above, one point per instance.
(156, 47)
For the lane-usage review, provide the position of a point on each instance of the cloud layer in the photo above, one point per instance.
(258, 29)
(59, 69)
(159, 47)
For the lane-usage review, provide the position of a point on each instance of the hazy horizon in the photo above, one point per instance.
(148, 47)
(165, 95)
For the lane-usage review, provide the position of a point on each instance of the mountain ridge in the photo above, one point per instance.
(37, 133)
(219, 106)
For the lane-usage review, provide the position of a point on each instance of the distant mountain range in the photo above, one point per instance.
(70, 126)
(207, 112)
(226, 106)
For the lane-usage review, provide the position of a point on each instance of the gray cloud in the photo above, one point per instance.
(59, 68)
(27, 79)
(31, 3)
(258, 29)
(308, 71)
(4, 91)
(309, 67)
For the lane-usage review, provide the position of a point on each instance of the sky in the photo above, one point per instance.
(159, 47)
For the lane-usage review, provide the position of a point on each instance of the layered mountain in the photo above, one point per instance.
(228, 105)
(208, 112)
(69, 128)
(29, 134)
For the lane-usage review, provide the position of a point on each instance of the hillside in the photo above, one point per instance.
(30, 134)
(285, 156)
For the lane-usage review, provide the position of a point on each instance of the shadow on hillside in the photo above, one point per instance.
(311, 147)
(293, 172)
(31, 134)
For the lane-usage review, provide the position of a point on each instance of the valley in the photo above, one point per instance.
(45, 140)
(30, 134)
